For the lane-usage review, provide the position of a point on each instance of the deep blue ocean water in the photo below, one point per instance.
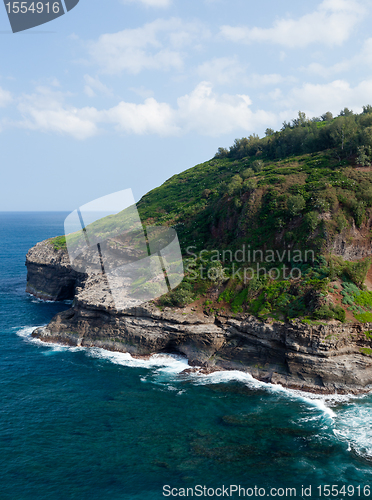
(88, 424)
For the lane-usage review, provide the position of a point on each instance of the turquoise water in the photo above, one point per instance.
(88, 424)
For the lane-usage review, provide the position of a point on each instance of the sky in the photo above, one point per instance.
(126, 93)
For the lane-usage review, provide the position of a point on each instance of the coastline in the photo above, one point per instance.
(326, 358)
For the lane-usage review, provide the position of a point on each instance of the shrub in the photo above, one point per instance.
(248, 172)
(357, 271)
(312, 221)
(359, 210)
(235, 185)
(341, 222)
(339, 313)
(250, 184)
(295, 204)
(322, 205)
(330, 312)
(257, 165)
(179, 297)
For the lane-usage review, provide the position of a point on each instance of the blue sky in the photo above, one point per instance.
(126, 93)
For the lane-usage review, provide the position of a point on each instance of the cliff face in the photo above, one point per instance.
(49, 275)
(323, 358)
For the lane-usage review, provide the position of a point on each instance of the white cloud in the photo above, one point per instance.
(316, 99)
(46, 111)
(229, 70)
(363, 58)
(207, 113)
(94, 85)
(151, 117)
(151, 3)
(331, 24)
(202, 111)
(257, 80)
(221, 70)
(155, 45)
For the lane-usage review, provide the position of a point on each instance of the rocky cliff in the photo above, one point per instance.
(323, 357)
(49, 274)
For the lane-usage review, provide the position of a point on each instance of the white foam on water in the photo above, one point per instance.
(226, 376)
(165, 363)
(170, 364)
(317, 401)
(353, 424)
(37, 300)
(26, 334)
(53, 347)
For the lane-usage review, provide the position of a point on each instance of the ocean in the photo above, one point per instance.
(89, 424)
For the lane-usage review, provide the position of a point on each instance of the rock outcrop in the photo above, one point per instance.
(49, 274)
(323, 358)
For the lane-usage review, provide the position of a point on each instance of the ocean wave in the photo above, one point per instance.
(321, 401)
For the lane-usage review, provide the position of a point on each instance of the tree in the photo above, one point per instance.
(327, 117)
(346, 112)
(300, 120)
(285, 125)
(235, 185)
(367, 109)
(364, 154)
(221, 153)
(342, 131)
(366, 137)
(269, 131)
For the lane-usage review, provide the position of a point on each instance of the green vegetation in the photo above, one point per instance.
(59, 243)
(296, 193)
(366, 350)
(365, 317)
